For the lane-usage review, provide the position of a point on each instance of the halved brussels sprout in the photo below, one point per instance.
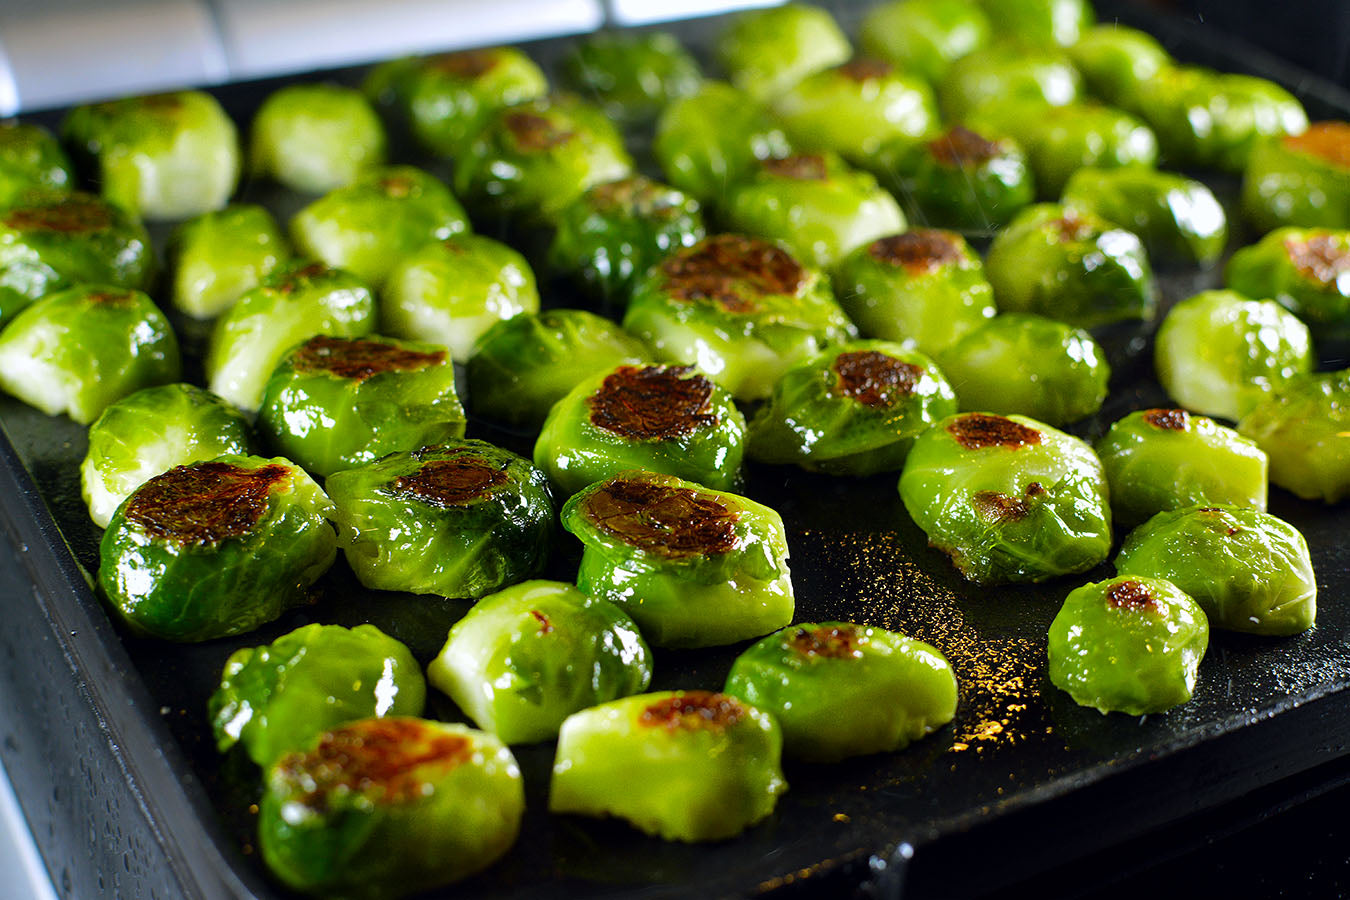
(1177, 218)
(1041, 22)
(219, 256)
(150, 432)
(632, 76)
(338, 403)
(1130, 644)
(31, 159)
(813, 204)
(1248, 570)
(740, 309)
(216, 548)
(532, 160)
(1219, 353)
(279, 697)
(693, 567)
(665, 419)
(381, 808)
(923, 289)
(1305, 270)
(523, 365)
(708, 142)
(840, 690)
(1020, 363)
(1117, 62)
(524, 659)
(1304, 427)
(316, 137)
(80, 350)
(166, 156)
(681, 765)
(924, 36)
(766, 51)
(1073, 266)
(460, 519)
(369, 226)
(1300, 179)
(959, 180)
(1163, 459)
(854, 108)
(51, 241)
(1009, 499)
(618, 230)
(452, 291)
(1008, 72)
(852, 410)
(294, 303)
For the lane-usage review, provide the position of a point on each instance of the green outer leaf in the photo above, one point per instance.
(1006, 72)
(1177, 218)
(31, 158)
(766, 51)
(219, 256)
(316, 137)
(1117, 62)
(632, 76)
(1041, 22)
(1304, 427)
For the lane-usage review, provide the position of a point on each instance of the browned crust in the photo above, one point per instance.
(1133, 595)
(449, 483)
(674, 522)
(204, 503)
(545, 626)
(799, 167)
(301, 277)
(653, 403)
(397, 187)
(1321, 258)
(1325, 140)
(535, 132)
(827, 641)
(962, 147)
(977, 431)
(466, 64)
(69, 215)
(874, 379)
(357, 359)
(1070, 227)
(694, 711)
(112, 298)
(919, 251)
(1168, 419)
(724, 268)
(1218, 513)
(862, 69)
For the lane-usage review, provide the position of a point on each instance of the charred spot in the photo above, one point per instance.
(918, 251)
(451, 482)
(653, 403)
(1071, 227)
(962, 147)
(468, 64)
(160, 102)
(675, 522)
(694, 711)
(545, 626)
(358, 359)
(1222, 515)
(300, 278)
(636, 193)
(535, 132)
(800, 167)
(978, 431)
(874, 379)
(1320, 258)
(1131, 595)
(1034, 489)
(397, 187)
(723, 268)
(111, 298)
(829, 641)
(1325, 140)
(1000, 508)
(204, 503)
(1168, 419)
(865, 69)
(68, 215)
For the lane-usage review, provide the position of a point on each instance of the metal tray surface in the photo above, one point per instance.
(1021, 781)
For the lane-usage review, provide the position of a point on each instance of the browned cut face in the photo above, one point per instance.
(653, 403)
(359, 359)
(68, 215)
(1131, 595)
(662, 519)
(733, 272)
(1002, 509)
(449, 483)
(535, 132)
(693, 711)
(1168, 419)
(204, 503)
(802, 167)
(874, 379)
(828, 641)
(962, 147)
(112, 298)
(397, 187)
(976, 431)
(1321, 258)
(1326, 140)
(468, 64)
(919, 251)
(1071, 227)
(861, 70)
(301, 278)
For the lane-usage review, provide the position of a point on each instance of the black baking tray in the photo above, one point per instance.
(107, 742)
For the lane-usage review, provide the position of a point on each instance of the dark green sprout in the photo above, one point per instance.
(1041, 22)
(31, 160)
(316, 137)
(767, 51)
(1305, 270)
(632, 76)
(1008, 72)
(924, 36)
(1304, 427)
(1117, 63)
(1300, 179)
(217, 257)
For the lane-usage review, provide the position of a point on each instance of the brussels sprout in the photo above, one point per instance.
(1300, 179)
(766, 51)
(852, 410)
(1130, 645)
(219, 256)
(1204, 118)
(1219, 353)
(531, 161)
(448, 98)
(1041, 22)
(1117, 63)
(681, 765)
(924, 36)
(31, 159)
(51, 242)
(1027, 364)
(167, 156)
(1008, 498)
(855, 108)
(1178, 219)
(708, 142)
(1006, 73)
(84, 348)
(381, 808)
(1304, 427)
(524, 659)
(1249, 571)
(1162, 459)
(1306, 270)
(278, 698)
(840, 690)
(525, 364)
(293, 304)
(632, 76)
(693, 567)
(452, 291)
(665, 419)
(460, 519)
(1072, 266)
(216, 548)
(382, 217)
(958, 180)
(316, 137)
(741, 309)
(616, 231)
(150, 432)
(338, 403)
